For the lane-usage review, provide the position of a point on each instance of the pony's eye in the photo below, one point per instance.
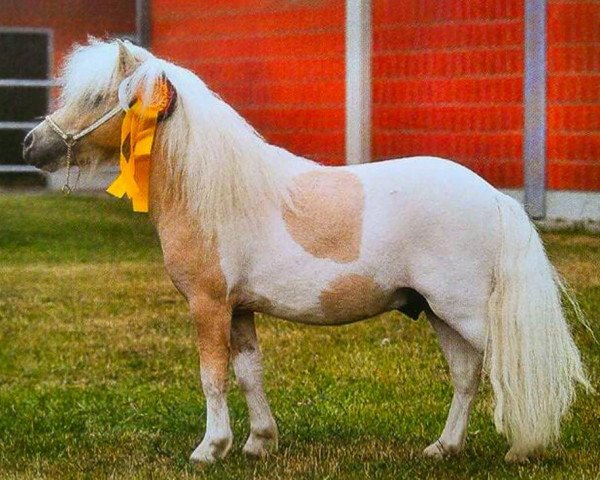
(97, 100)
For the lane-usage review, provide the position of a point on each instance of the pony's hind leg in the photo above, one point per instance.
(247, 364)
(465, 370)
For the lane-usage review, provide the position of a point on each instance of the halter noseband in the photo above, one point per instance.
(70, 139)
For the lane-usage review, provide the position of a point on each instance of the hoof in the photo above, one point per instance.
(211, 450)
(435, 450)
(524, 455)
(441, 450)
(261, 445)
(515, 456)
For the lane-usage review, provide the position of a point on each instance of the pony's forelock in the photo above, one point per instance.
(91, 69)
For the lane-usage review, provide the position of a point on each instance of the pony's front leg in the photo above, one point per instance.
(247, 363)
(214, 323)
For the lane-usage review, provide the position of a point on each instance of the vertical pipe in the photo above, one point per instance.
(142, 22)
(534, 93)
(358, 81)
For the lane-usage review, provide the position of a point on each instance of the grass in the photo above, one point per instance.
(99, 371)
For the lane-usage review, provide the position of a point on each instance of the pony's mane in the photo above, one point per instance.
(230, 175)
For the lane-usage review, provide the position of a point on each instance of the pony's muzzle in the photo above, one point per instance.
(43, 151)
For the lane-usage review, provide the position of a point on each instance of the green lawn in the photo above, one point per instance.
(99, 371)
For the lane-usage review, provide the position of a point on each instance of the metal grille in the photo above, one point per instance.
(25, 89)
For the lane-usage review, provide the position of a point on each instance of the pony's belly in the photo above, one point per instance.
(350, 300)
(316, 268)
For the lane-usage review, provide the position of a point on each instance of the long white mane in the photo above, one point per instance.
(229, 173)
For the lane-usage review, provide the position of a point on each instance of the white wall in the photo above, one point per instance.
(566, 208)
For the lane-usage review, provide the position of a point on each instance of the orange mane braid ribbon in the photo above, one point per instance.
(137, 136)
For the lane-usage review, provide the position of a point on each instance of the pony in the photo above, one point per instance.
(249, 227)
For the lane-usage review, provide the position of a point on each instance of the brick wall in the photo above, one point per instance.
(574, 95)
(448, 81)
(280, 63)
(447, 77)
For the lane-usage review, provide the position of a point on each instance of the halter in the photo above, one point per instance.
(123, 105)
(70, 139)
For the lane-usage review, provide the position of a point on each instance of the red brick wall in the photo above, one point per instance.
(448, 81)
(71, 20)
(280, 63)
(447, 77)
(574, 95)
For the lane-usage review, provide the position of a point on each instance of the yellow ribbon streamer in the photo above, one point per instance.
(137, 137)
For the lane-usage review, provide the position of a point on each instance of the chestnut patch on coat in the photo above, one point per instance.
(192, 262)
(328, 215)
(352, 297)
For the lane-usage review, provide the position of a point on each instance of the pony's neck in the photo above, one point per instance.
(213, 165)
(216, 167)
(174, 198)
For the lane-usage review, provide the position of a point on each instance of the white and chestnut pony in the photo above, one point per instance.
(248, 227)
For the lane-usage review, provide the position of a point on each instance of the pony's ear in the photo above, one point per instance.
(126, 62)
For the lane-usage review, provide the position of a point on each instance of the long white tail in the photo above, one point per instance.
(531, 358)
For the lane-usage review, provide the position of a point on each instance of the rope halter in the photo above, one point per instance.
(70, 139)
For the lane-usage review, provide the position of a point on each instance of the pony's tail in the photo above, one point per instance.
(531, 359)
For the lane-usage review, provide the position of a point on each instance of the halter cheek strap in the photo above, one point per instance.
(70, 139)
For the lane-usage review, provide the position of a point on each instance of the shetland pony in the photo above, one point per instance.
(248, 227)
